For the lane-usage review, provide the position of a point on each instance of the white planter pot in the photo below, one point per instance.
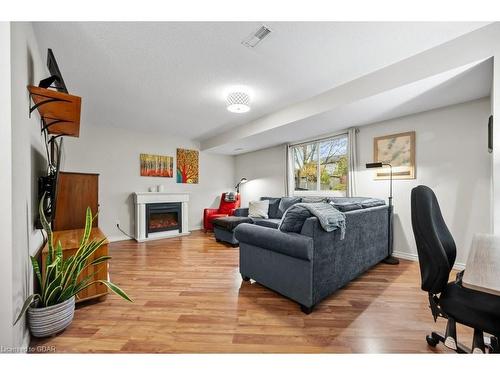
(47, 321)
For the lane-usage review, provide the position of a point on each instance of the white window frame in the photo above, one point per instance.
(291, 166)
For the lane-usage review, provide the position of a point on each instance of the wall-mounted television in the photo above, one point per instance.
(56, 80)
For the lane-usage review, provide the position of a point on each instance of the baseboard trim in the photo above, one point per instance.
(122, 237)
(414, 257)
(407, 256)
(119, 238)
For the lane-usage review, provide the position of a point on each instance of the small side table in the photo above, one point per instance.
(482, 270)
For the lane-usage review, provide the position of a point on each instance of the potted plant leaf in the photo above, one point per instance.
(51, 309)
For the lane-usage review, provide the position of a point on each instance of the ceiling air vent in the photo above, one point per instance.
(255, 38)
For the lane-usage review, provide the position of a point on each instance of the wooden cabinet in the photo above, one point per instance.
(70, 240)
(74, 193)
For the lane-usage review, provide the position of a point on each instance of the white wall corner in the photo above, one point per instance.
(6, 307)
(495, 165)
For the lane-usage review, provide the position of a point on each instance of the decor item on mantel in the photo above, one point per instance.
(160, 215)
(187, 166)
(157, 165)
(51, 309)
(398, 150)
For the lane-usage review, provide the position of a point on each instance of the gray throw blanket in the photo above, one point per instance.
(329, 217)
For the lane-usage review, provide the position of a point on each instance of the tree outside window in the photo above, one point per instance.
(326, 159)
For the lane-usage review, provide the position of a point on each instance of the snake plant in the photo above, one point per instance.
(61, 278)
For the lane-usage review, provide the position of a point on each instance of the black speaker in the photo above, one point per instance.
(490, 134)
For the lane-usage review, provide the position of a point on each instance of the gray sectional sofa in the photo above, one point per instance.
(309, 266)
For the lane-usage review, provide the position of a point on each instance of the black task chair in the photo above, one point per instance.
(436, 255)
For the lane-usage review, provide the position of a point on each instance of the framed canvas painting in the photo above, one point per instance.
(187, 166)
(397, 150)
(157, 165)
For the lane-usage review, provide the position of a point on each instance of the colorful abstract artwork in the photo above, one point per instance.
(157, 165)
(187, 166)
(397, 150)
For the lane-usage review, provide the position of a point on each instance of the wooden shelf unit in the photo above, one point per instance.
(70, 241)
(60, 112)
(74, 193)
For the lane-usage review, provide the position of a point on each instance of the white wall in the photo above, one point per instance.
(114, 154)
(265, 171)
(28, 163)
(6, 330)
(451, 158)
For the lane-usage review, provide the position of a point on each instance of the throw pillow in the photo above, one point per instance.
(274, 204)
(286, 203)
(258, 209)
(230, 196)
(294, 219)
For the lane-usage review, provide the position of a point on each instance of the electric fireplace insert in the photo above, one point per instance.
(162, 217)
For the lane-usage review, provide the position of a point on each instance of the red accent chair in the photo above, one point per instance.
(225, 209)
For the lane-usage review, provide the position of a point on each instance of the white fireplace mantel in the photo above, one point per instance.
(140, 201)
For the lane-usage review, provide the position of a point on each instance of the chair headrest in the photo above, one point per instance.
(435, 245)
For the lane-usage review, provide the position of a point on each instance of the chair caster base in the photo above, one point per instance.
(450, 343)
(434, 338)
(306, 310)
(431, 341)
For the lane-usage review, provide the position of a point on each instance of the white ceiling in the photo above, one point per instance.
(456, 86)
(170, 76)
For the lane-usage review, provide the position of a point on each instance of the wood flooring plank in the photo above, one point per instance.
(189, 298)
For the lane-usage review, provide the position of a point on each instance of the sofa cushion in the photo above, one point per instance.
(291, 244)
(274, 204)
(286, 203)
(269, 223)
(372, 202)
(228, 223)
(315, 200)
(347, 206)
(258, 209)
(294, 219)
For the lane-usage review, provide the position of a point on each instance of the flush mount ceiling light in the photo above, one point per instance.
(238, 102)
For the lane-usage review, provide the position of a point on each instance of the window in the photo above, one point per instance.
(320, 166)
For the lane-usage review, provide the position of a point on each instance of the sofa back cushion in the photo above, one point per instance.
(316, 200)
(346, 204)
(286, 203)
(274, 204)
(258, 209)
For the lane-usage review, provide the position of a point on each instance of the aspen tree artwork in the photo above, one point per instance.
(157, 165)
(187, 166)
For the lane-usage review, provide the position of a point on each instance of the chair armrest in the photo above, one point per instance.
(241, 212)
(210, 211)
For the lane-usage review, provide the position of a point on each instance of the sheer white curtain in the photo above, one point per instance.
(352, 135)
(288, 172)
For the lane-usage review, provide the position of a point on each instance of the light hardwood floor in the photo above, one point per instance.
(189, 298)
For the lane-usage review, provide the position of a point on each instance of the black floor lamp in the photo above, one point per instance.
(390, 259)
(242, 181)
